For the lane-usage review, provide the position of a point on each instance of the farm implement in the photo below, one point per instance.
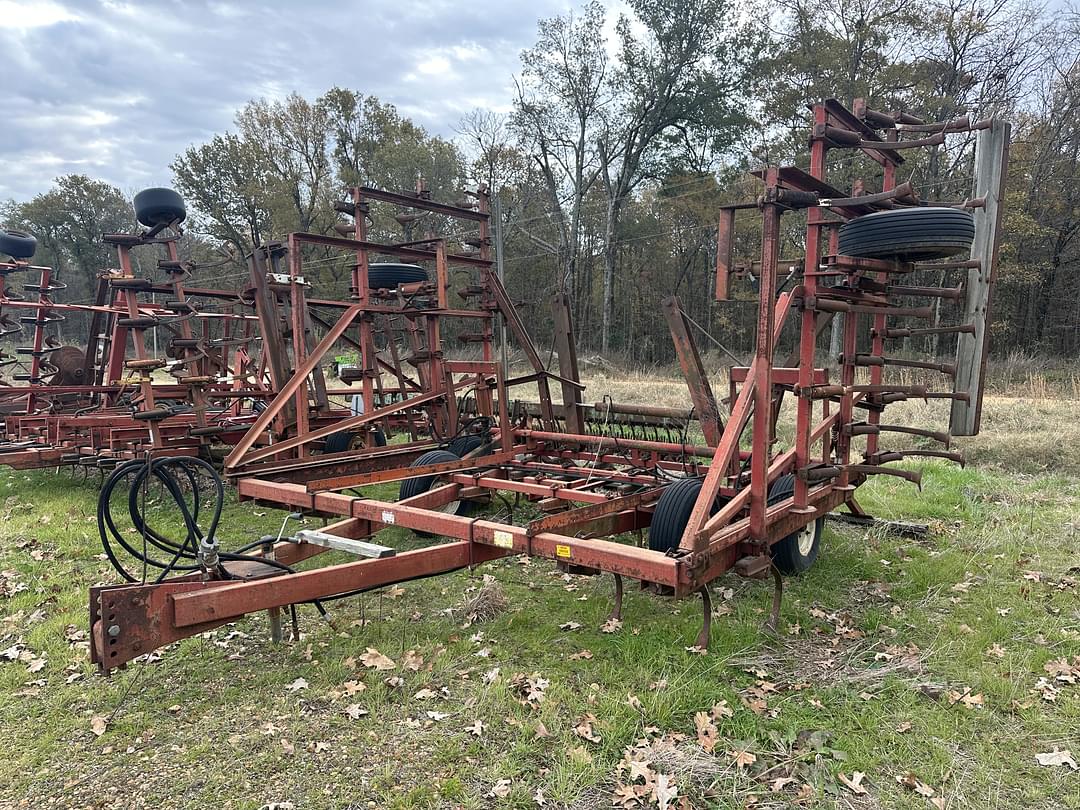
(741, 498)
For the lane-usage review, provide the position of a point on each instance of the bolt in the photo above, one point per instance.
(114, 630)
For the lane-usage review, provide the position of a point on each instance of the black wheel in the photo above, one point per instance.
(17, 244)
(343, 440)
(462, 445)
(909, 234)
(411, 487)
(159, 206)
(672, 513)
(795, 553)
(387, 275)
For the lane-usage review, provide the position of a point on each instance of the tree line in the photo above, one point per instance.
(625, 136)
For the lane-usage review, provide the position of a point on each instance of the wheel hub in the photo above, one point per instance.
(806, 539)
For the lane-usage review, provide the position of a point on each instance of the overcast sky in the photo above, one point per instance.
(115, 90)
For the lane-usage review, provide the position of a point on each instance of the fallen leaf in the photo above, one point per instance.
(351, 688)
(437, 716)
(297, 685)
(854, 784)
(373, 659)
(569, 626)
(742, 759)
(355, 711)
(625, 796)
(582, 655)
(425, 694)
(903, 727)
(910, 781)
(721, 709)
(98, 724)
(412, 661)
(395, 592)
(1057, 757)
(288, 746)
(781, 782)
(477, 729)
(501, 789)
(664, 791)
(611, 626)
(584, 728)
(541, 730)
(639, 769)
(706, 731)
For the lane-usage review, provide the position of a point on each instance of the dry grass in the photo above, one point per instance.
(484, 603)
(1031, 428)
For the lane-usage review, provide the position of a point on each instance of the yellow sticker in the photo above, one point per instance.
(562, 551)
(504, 539)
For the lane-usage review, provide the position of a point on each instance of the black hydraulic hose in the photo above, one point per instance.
(181, 555)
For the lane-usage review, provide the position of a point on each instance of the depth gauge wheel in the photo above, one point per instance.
(388, 275)
(411, 487)
(17, 244)
(462, 445)
(350, 440)
(672, 513)
(909, 234)
(795, 553)
(159, 206)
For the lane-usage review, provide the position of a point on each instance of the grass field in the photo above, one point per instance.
(942, 672)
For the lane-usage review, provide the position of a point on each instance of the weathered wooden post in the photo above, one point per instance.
(991, 168)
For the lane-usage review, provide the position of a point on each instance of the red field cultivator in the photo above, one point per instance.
(98, 405)
(743, 499)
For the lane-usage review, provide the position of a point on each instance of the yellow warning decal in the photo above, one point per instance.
(562, 551)
(504, 539)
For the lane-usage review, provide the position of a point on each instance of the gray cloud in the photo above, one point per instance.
(116, 89)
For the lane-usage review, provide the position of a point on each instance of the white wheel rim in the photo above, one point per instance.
(450, 508)
(806, 539)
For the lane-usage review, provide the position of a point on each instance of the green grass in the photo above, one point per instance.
(869, 636)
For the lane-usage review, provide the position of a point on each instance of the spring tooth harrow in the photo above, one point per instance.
(738, 500)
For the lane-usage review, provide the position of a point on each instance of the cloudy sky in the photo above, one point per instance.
(116, 89)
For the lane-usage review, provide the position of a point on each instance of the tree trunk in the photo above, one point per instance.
(610, 251)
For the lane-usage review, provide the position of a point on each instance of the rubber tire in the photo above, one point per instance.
(159, 206)
(672, 513)
(388, 275)
(416, 486)
(785, 553)
(909, 234)
(463, 445)
(341, 441)
(17, 244)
